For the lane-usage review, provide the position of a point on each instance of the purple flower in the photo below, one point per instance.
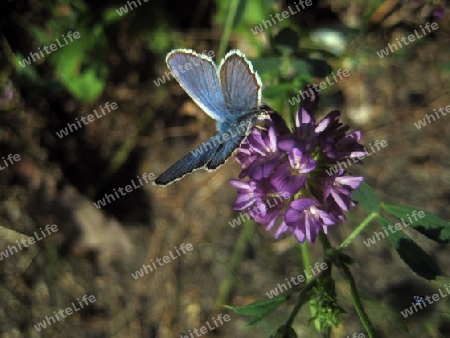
(304, 137)
(249, 193)
(290, 185)
(264, 154)
(290, 177)
(305, 218)
(341, 190)
(267, 212)
(336, 193)
(336, 144)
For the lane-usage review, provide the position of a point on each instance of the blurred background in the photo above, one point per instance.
(118, 60)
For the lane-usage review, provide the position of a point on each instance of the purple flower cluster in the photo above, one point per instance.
(287, 172)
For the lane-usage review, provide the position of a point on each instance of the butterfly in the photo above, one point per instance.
(229, 93)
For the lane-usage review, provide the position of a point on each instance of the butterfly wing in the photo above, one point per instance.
(196, 159)
(236, 98)
(241, 85)
(197, 75)
(225, 150)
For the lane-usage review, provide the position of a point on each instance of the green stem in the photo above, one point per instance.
(357, 302)
(239, 252)
(307, 262)
(227, 28)
(326, 245)
(357, 230)
(354, 291)
(300, 302)
(312, 282)
(305, 258)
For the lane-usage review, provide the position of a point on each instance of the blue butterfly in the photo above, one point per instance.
(230, 94)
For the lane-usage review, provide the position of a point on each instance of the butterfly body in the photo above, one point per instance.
(230, 94)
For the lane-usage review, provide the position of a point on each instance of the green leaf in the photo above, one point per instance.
(42, 36)
(254, 12)
(412, 254)
(86, 86)
(257, 306)
(286, 40)
(311, 67)
(266, 64)
(426, 223)
(79, 64)
(300, 66)
(366, 198)
(248, 13)
(275, 91)
(301, 80)
(110, 15)
(260, 308)
(239, 13)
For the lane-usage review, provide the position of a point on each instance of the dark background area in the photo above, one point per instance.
(119, 59)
